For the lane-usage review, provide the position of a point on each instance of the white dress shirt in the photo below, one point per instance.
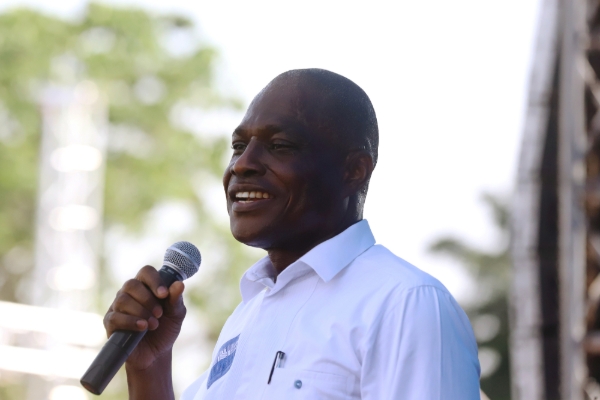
(353, 320)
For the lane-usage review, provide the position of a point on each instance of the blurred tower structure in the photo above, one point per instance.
(68, 229)
(69, 217)
(556, 216)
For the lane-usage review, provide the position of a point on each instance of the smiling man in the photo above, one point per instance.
(328, 314)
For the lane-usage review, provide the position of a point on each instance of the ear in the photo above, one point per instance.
(358, 168)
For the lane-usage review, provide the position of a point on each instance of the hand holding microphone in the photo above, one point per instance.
(145, 318)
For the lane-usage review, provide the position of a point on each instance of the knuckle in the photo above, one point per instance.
(110, 319)
(146, 270)
(106, 320)
(130, 285)
(120, 300)
(146, 299)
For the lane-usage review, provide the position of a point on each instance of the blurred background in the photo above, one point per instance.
(115, 120)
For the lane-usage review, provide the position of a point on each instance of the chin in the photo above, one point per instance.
(251, 237)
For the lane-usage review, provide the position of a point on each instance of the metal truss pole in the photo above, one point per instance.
(69, 211)
(572, 140)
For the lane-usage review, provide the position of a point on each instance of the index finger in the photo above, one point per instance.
(150, 277)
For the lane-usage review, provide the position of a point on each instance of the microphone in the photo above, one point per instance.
(181, 261)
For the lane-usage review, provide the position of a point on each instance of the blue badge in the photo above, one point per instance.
(223, 361)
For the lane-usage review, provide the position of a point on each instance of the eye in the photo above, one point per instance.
(283, 147)
(238, 147)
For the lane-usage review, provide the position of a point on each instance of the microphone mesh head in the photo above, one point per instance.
(184, 257)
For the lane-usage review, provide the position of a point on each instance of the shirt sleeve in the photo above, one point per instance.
(422, 348)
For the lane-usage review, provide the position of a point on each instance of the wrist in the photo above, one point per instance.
(151, 383)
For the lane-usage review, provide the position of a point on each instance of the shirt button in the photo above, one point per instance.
(298, 384)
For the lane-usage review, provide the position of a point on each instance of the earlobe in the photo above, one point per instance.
(358, 169)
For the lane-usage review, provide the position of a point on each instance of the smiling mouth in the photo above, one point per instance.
(249, 197)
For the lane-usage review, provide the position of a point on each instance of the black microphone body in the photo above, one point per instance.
(118, 347)
(182, 260)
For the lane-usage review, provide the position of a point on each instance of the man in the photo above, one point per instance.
(327, 314)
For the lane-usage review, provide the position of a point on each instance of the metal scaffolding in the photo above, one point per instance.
(68, 232)
(71, 185)
(554, 314)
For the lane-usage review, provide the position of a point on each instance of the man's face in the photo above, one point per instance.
(284, 181)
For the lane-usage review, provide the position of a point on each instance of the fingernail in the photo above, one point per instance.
(162, 291)
(142, 324)
(157, 311)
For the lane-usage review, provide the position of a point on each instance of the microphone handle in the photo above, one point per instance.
(118, 347)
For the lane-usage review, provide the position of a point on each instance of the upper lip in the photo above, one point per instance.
(232, 190)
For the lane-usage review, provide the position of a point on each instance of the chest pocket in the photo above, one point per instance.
(290, 384)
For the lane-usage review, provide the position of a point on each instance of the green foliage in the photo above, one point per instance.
(12, 391)
(491, 272)
(118, 49)
(151, 159)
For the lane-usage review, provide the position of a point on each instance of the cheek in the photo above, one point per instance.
(227, 176)
(315, 193)
(226, 179)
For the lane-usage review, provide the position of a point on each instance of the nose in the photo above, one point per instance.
(250, 162)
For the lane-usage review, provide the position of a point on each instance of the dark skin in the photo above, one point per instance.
(312, 191)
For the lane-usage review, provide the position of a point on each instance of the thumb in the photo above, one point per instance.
(176, 294)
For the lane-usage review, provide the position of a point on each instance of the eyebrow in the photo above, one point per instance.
(267, 129)
(293, 130)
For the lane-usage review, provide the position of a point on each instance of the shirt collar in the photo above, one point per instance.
(327, 259)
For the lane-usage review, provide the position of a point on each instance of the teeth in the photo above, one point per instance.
(252, 195)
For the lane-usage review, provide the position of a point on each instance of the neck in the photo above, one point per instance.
(283, 256)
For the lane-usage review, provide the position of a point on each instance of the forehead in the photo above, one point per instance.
(282, 108)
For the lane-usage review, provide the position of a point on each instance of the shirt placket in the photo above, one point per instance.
(269, 333)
